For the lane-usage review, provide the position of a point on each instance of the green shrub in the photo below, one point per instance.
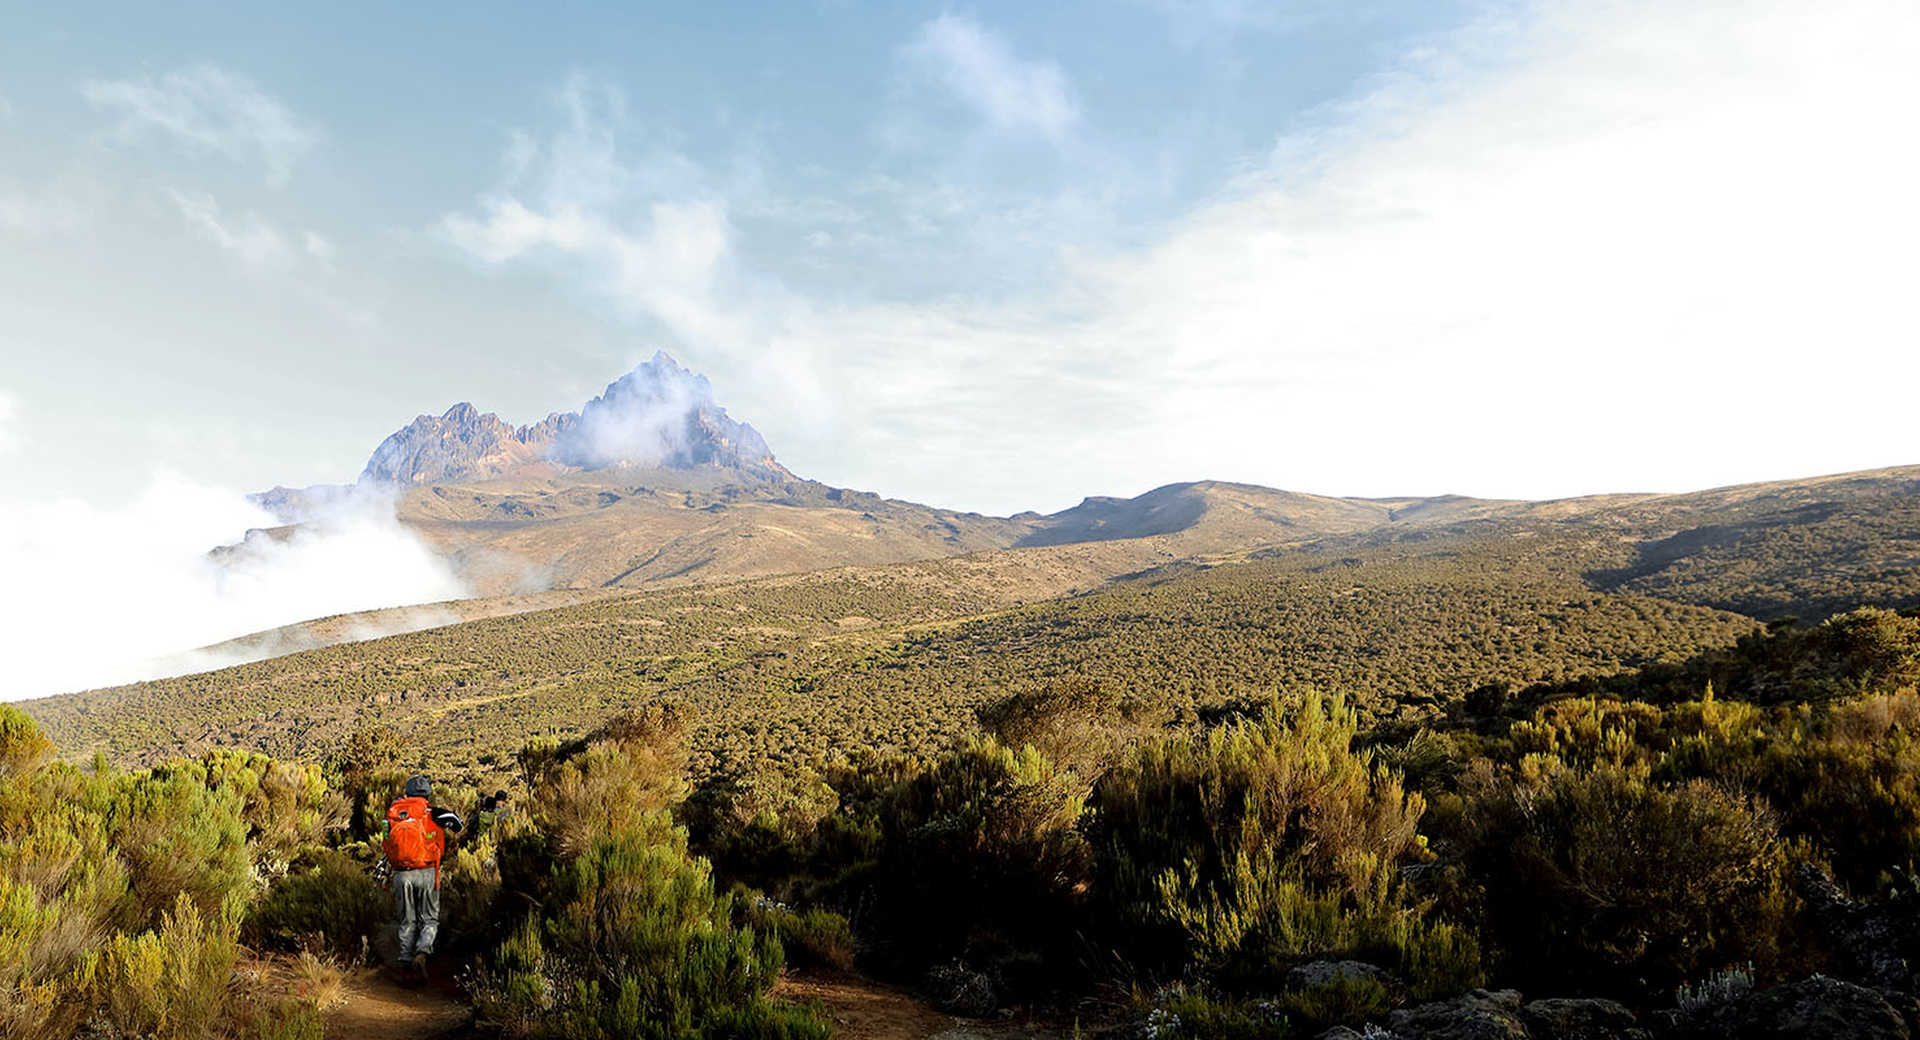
(1181, 1013)
(758, 826)
(813, 938)
(120, 896)
(180, 836)
(1343, 1001)
(627, 936)
(634, 942)
(620, 782)
(975, 857)
(330, 905)
(23, 748)
(1260, 843)
(1606, 881)
(172, 981)
(287, 807)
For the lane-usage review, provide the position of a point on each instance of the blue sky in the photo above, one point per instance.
(993, 257)
(987, 256)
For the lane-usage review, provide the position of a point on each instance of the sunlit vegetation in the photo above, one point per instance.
(125, 898)
(1587, 846)
(1265, 865)
(809, 671)
(1257, 795)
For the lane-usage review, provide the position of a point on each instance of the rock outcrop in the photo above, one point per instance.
(658, 416)
(1479, 1015)
(1816, 1008)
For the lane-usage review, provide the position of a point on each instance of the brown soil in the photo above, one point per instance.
(375, 1007)
(861, 1009)
(378, 1008)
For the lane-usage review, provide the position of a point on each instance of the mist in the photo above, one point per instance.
(104, 596)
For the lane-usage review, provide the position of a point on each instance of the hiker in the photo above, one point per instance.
(483, 820)
(415, 841)
(501, 810)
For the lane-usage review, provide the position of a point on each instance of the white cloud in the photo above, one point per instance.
(45, 210)
(9, 439)
(318, 246)
(575, 196)
(249, 239)
(1559, 250)
(108, 596)
(981, 70)
(206, 109)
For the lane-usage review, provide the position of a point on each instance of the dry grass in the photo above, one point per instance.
(320, 982)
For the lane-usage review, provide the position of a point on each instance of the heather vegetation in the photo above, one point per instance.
(1263, 866)
(813, 669)
(1361, 782)
(179, 901)
(1282, 867)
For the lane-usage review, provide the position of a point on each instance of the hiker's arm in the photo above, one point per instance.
(448, 820)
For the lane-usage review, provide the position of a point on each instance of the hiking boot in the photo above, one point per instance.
(420, 966)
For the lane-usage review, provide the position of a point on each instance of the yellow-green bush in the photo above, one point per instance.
(1605, 881)
(977, 856)
(120, 897)
(170, 982)
(627, 936)
(328, 904)
(1247, 848)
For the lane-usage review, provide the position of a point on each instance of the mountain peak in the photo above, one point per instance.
(660, 415)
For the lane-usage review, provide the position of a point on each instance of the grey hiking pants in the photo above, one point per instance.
(417, 903)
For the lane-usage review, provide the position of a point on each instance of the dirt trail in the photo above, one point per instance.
(378, 1008)
(861, 1009)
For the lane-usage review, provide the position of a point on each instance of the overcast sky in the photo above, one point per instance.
(991, 256)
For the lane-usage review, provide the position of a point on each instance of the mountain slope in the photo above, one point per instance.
(1227, 600)
(899, 657)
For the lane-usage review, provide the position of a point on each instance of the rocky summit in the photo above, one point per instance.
(658, 416)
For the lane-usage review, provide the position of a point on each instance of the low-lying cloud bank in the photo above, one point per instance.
(101, 597)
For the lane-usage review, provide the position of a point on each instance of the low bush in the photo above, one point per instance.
(170, 982)
(1607, 882)
(976, 857)
(328, 905)
(1342, 1001)
(628, 936)
(813, 938)
(1243, 850)
(1182, 1013)
(758, 826)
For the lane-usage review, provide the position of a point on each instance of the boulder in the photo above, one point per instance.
(1817, 1008)
(1868, 939)
(1580, 1019)
(960, 990)
(1480, 1015)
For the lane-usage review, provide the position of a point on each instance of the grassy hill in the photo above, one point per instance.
(900, 657)
(1192, 596)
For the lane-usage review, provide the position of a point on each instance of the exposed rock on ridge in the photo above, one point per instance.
(658, 416)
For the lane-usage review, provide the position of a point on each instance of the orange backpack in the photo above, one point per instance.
(413, 840)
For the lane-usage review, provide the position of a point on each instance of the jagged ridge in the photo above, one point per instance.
(658, 416)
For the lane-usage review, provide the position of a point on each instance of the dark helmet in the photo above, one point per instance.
(419, 787)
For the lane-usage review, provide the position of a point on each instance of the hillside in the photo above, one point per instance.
(1191, 596)
(654, 483)
(900, 657)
